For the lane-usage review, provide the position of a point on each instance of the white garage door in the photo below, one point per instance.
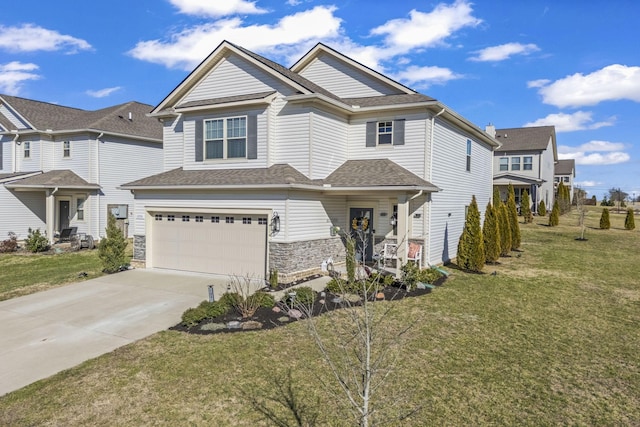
(232, 244)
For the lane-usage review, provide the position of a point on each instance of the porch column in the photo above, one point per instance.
(403, 232)
(50, 215)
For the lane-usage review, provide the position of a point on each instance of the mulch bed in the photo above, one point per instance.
(268, 318)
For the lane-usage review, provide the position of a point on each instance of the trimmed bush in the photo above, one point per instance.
(605, 224)
(230, 299)
(428, 275)
(505, 230)
(214, 309)
(10, 244)
(491, 235)
(192, 316)
(525, 208)
(629, 221)
(305, 296)
(111, 250)
(542, 208)
(36, 241)
(512, 212)
(554, 218)
(263, 299)
(471, 245)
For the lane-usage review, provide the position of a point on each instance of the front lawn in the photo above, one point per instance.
(547, 337)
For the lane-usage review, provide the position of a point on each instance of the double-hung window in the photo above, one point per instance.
(515, 163)
(225, 138)
(527, 163)
(66, 149)
(80, 208)
(27, 149)
(468, 155)
(385, 133)
(504, 163)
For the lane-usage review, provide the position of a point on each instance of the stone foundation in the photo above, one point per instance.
(297, 260)
(139, 249)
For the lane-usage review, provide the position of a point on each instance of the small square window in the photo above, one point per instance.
(215, 219)
(199, 218)
(185, 218)
(246, 220)
(66, 149)
(158, 217)
(262, 221)
(229, 220)
(566, 179)
(171, 217)
(385, 133)
(27, 149)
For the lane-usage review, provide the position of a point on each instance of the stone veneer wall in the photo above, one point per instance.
(139, 250)
(300, 259)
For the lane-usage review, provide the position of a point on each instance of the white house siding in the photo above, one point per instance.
(14, 119)
(293, 137)
(21, 210)
(534, 173)
(329, 135)
(548, 171)
(78, 161)
(232, 76)
(309, 216)
(410, 156)
(6, 154)
(344, 80)
(189, 128)
(458, 186)
(32, 163)
(120, 163)
(173, 143)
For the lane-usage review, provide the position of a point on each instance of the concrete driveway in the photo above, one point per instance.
(44, 333)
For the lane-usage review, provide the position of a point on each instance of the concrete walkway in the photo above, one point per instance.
(44, 333)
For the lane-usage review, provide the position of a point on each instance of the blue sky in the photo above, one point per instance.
(572, 64)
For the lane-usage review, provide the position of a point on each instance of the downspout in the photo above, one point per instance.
(433, 125)
(98, 179)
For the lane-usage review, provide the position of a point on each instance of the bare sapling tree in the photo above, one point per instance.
(361, 344)
(582, 210)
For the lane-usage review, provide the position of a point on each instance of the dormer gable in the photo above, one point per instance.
(344, 76)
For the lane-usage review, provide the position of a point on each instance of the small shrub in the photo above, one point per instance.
(10, 244)
(605, 224)
(542, 208)
(340, 286)
(273, 278)
(629, 221)
(36, 241)
(410, 273)
(111, 250)
(230, 299)
(214, 309)
(193, 316)
(428, 275)
(263, 299)
(305, 296)
(554, 218)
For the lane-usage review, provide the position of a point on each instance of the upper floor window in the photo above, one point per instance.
(504, 163)
(66, 149)
(225, 138)
(527, 163)
(468, 155)
(515, 163)
(27, 149)
(566, 179)
(385, 133)
(80, 208)
(556, 179)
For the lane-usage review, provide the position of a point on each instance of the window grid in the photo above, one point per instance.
(80, 209)
(246, 220)
(504, 163)
(215, 219)
(229, 220)
(27, 149)
(185, 218)
(468, 155)
(158, 217)
(527, 163)
(171, 217)
(225, 138)
(66, 149)
(262, 221)
(199, 218)
(515, 163)
(385, 133)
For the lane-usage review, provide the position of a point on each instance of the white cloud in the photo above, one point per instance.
(13, 74)
(30, 38)
(538, 83)
(217, 8)
(611, 83)
(101, 93)
(187, 48)
(430, 29)
(504, 51)
(595, 153)
(580, 120)
(423, 77)
(587, 184)
(294, 2)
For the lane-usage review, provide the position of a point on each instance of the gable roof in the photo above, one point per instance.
(53, 179)
(566, 167)
(527, 138)
(51, 118)
(353, 174)
(511, 178)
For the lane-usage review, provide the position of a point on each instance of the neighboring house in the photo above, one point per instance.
(565, 171)
(526, 160)
(60, 166)
(266, 167)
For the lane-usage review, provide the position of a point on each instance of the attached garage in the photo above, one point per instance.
(229, 243)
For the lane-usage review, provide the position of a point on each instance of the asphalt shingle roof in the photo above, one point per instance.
(565, 167)
(45, 116)
(226, 99)
(55, 178)
(374, 173)
(529, 138)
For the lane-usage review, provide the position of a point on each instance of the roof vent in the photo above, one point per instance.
(130, 116)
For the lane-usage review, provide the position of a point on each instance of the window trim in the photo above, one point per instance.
(66, 149)
(80, 210)
(525, 163)
(225, 138)
(503, 166)
(514, 163)
(387, 125)
(468, 155)
(26, 149)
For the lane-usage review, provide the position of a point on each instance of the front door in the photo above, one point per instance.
(63, 215)
(362, 232)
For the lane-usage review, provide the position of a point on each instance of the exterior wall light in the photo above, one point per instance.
(275, 223)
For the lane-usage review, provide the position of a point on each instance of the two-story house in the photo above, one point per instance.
(266, 167)
(60, 166)
(526, 160)
(565, 172)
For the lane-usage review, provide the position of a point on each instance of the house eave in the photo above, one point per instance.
(77, 131)
(43, 187)
(247, 103)
(305, 187)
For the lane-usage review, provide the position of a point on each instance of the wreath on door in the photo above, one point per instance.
(360, 223)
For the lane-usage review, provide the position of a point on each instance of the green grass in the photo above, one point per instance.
(550, 339)
(26, 273)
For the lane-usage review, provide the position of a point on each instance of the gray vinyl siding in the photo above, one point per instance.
(343, 80)
(173, 143)
(5, 154)
(21, 210)
(293, 138)
(547, 173)
(458, 186)
(13, 118)
(189, 128)
(235, 76)
(120, 163)
(329, 146)
(410, 156)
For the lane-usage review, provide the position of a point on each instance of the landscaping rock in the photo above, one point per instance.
(295, 314)
(283, 319)
(251, 324)
(380, 295)
(234, 324)
(276, 309)
(212, 327)
(352, 298)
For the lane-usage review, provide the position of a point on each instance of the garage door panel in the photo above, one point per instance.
(211, 247)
